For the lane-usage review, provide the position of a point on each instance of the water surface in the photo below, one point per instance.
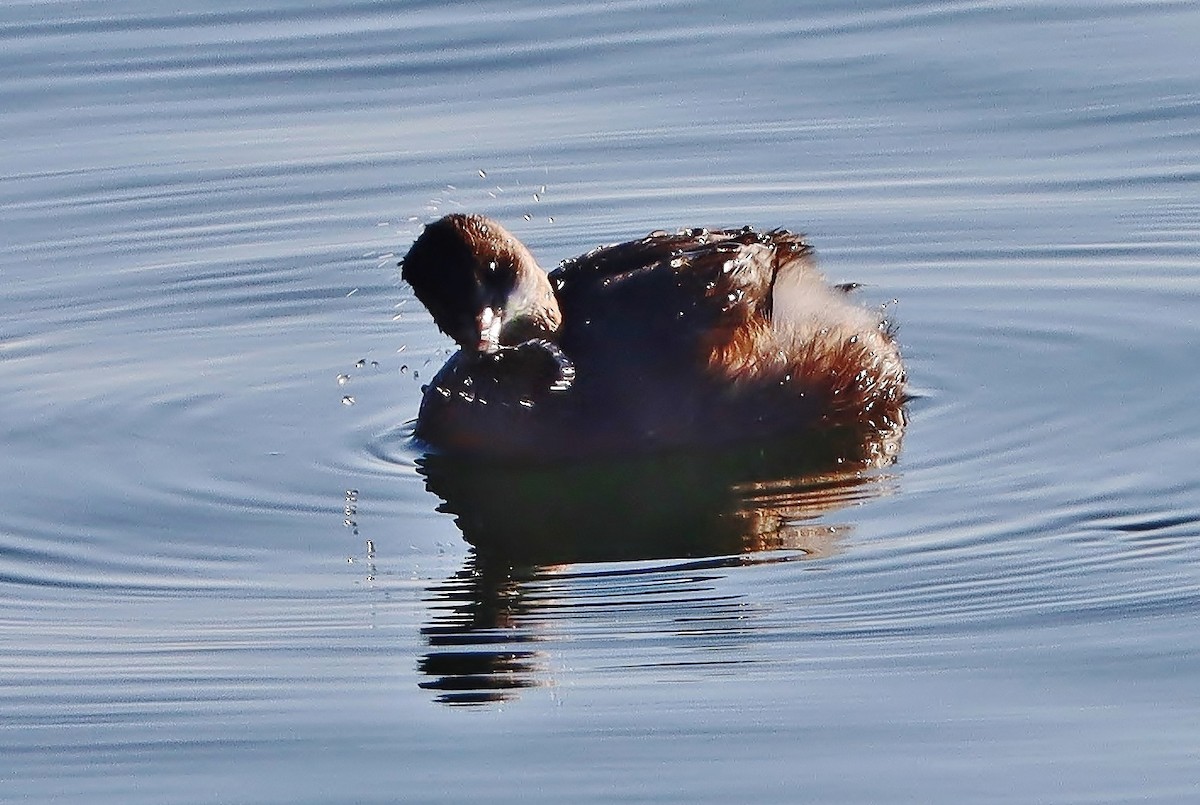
(223, 576)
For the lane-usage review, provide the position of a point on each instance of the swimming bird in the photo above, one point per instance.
(689, 339)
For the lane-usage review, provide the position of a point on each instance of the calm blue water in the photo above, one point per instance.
(222, 577)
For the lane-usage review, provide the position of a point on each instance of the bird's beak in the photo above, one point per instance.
(488, 324)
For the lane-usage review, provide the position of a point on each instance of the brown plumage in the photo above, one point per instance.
(675, 340)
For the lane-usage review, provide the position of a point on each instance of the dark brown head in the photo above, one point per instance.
(482, 286)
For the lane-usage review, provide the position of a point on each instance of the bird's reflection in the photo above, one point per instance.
(478, 650)
(718, 508)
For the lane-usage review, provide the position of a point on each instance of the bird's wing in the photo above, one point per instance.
(680, 291)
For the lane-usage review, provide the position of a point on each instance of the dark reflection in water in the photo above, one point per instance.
(718, 508)
(477, 652)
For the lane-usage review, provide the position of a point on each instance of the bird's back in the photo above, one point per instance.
(719, 333)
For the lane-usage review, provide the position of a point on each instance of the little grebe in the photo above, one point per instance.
(698, 338)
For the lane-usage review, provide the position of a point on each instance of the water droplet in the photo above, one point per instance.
(347, 400)
(543, 190)
(360, 363)
(550, 219)
(482, 173)
(343, 379)
(415, 374)
(374, 364)
(404, 368)
(537, 197)
(677, 262)
(527, 217)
